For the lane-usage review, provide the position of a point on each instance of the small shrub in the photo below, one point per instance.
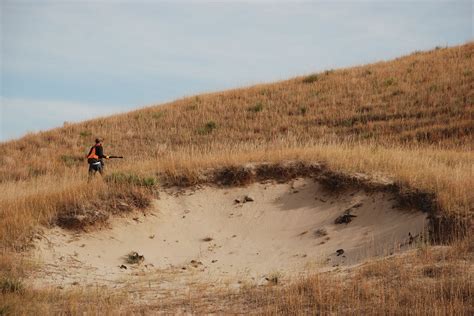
(85, 133)
(11, 285)
(134, 258)
(311, 78)
(303, 110)
(207, 128)
(36, 171)
(388, 82)
(256, 108)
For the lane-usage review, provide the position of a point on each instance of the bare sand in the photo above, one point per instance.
(205, 235)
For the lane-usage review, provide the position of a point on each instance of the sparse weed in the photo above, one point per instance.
(258, 107)
(11, 285)
(85, 133)
(303, 110)
(134, 258)
(389, 82)
(311, 78)
(207, 128)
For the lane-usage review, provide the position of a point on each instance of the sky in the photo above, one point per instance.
(67, 61)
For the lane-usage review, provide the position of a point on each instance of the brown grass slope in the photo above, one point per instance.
(420, 99)
(409, 120)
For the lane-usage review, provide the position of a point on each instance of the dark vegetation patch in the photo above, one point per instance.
(11, 285)
(207, 128)
(311, 78)
(345, 218)
(336, 182)
(85, 133)
(243, 175)
(234, 176)
(285, 172)
(258, 107)
(134, 258)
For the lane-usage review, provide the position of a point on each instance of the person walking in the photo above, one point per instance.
(95, 158)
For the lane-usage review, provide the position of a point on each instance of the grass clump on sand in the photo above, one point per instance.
(134, 258)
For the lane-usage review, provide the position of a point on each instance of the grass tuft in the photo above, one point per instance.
(311, 78)
(258, 107)
(207, 128)
(11, 285)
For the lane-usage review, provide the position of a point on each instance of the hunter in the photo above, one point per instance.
(95, 158)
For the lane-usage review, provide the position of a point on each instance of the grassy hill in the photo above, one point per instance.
(409, 119)
(418, 100)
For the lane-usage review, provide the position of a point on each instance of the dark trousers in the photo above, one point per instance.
(96, 167)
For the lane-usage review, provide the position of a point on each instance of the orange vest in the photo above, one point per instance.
(93, 155)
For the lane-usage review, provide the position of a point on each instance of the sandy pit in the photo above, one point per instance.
(216, 235)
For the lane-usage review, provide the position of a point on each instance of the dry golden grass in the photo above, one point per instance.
(408, 120)
(425, 281)
(421, 99)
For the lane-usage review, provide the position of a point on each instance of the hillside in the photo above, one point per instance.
(406, 123)
(419, 100)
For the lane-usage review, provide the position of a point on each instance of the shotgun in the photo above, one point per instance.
(112, 157)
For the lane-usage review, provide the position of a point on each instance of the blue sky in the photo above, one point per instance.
(72, 60)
